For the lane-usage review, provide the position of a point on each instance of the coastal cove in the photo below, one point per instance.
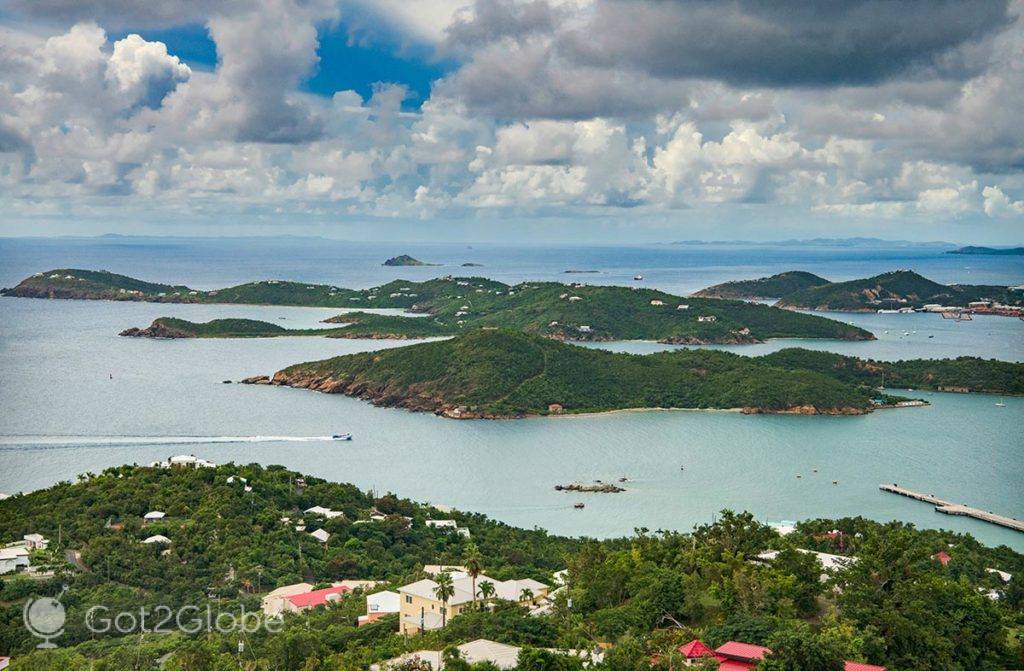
(69, 417)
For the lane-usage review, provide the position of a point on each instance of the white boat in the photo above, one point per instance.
(342, 436)
(1000, 405)
(638, 277)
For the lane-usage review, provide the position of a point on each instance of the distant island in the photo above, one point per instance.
(897, 289)
(989, 251)
(470, 264)
(456, 305)
(504, 374)
(406, 260)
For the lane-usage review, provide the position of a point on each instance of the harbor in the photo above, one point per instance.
(950, 508)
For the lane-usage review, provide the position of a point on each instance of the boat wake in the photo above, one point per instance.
(22, 443)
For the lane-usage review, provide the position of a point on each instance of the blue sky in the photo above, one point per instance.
(498, 119)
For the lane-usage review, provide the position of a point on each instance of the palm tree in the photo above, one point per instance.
(526, 594)
(444, 591)
(486, 590)
(474, 566)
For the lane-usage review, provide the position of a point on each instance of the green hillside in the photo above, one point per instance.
(457, 304)
(903, 288)
(989, 251)
(963, 373)
(512, 374)
(900, 288)
(774, 286)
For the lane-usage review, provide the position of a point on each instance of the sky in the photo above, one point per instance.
(514, 120)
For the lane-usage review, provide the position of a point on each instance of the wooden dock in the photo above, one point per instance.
(950, 508)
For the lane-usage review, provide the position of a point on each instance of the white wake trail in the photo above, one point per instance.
(60, 442)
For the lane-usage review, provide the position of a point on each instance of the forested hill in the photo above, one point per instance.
(899, 288)
(233, 538)
(561, 311)
(775, 286)
(504, 374)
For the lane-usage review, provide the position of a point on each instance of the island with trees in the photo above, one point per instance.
(501, 374)
(900, 597)
(896, 289)
(406, 260)
(454, 305)
(988, 251)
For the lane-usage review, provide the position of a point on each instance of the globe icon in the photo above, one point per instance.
(44, 618)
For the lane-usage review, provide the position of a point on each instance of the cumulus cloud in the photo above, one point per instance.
(143, 71)
(998, 204)
(869, 108)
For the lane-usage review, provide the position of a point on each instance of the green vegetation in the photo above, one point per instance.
(170, 327)
(406, 260)
(989, 251)
(353, 325)
(502, 374)
(640, 597)
(963, 373)
(900, 288)
(560, 311)
(775, 286)
(512, 374)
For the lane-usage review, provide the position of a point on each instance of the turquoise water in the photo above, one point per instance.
(62, 414)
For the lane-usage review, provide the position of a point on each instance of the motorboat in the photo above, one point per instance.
(342, 436)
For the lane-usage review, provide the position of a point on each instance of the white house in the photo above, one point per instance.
(443, 524)
(828, 562)
(707, 318)
(1003, 575)
(36, 541)
(13, 559)
(154, 515)
(324, 512)
(320, 535)
(657, 302)
(501, 655)
(163, 540)
(682, 306)
(380, 604)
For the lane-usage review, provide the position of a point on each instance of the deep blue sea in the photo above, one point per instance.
(75, 397)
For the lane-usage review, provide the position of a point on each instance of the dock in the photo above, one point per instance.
(950, 508)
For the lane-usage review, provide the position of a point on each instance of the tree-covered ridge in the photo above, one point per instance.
(352, 325)
(989, 251)
(505, 374)
(639, 598)
(774, 286)
(512, 374)
(961, 374)
(562, 311)
(900, 288)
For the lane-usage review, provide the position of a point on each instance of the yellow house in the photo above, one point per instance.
(420, 610)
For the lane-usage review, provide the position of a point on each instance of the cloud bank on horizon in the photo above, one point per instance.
(880, 113)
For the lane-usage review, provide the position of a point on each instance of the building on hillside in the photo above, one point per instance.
(13, 560)
(829, 563)
(297, 603)
(1003, 575)
(324, 512)
(942, 557)
(36, 541)
(380, 604)
(420, 609)
(657, 302)
(154, 516)
(737, 656)
(501, 655)
(273, 601)
(443, 524)
(707, 318)
(320, 535)
(455, 571)
(184, 461)
(163, 540)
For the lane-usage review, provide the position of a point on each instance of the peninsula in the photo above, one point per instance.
(456, 305)
(989, 251)
(508, 374)
(896, 289)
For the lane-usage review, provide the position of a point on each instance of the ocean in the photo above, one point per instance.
(77, 398)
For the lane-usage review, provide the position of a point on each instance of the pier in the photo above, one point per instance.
(950, 508)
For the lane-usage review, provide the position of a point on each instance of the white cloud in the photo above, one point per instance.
(998, 204)
(143, 71)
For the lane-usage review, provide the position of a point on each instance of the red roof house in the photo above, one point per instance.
(736, 656)
(942, 557)
(696, 649)
(319, 597)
